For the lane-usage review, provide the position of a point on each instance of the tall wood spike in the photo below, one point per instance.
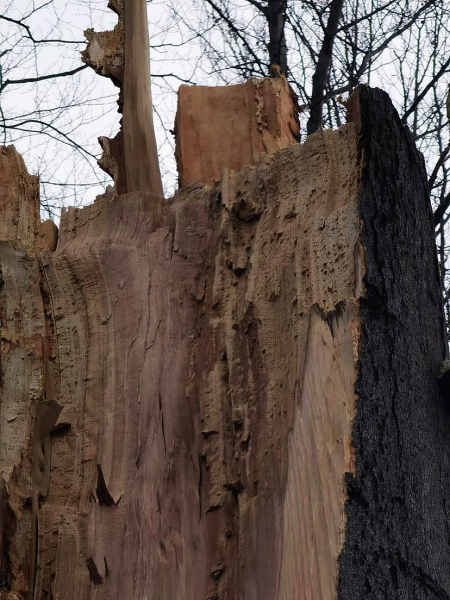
(131, 157)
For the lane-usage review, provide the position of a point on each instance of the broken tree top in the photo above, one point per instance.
(230, 127)
(131, 157)
(231, 394)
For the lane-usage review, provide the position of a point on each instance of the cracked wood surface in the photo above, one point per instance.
(181, 330)
(203, 353)
(257, 117)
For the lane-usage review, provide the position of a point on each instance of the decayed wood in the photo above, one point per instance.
(241, 384)
(28, 406)
(19, 204)
(231, 127)
(131, 157)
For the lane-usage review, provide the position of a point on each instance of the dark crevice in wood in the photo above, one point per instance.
(94, 575)
(103, 496)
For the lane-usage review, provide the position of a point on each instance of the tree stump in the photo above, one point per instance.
(231, 394)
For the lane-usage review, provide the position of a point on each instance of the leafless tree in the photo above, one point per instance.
(46, 97)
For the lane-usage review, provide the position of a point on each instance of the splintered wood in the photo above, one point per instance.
(202, 398)
(231, 127)
(187, 347)
(131, 157)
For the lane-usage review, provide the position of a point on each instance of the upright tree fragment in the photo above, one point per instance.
(123, 55)
(232, 126)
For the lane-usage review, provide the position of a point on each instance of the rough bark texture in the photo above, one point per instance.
(254, 118)
(218, 396)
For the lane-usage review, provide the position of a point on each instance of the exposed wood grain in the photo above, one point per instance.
(139, 142)
(250, 119)
(131, 157)
(204, 356)
(181, 333)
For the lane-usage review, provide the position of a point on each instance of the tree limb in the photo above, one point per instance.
(323, 66)
(441, 210)
(425, 90)
(45, 125)
(259, 6)
(235, 30)
(438, 165)
(276, 18)
(365, 17)
(30, 35)
(42, 78)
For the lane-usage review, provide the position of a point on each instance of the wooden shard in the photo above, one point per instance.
(131, 157)
(231, 127)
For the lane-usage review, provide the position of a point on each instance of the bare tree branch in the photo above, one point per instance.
(365, 17)
(323, 66)
(441, 210)
(41, 78)
(259, 6)
(427, 88)
(34, 40)
(438, 165)
(52, 127)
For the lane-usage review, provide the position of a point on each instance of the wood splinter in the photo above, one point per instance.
(122, 55)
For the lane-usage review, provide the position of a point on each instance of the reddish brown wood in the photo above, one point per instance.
(232, 126)
(211, 397)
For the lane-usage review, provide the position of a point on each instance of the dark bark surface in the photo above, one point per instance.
(398, 532)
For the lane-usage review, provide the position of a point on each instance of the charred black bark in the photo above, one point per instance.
(398, 509)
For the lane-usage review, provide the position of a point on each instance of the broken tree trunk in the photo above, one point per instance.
(131, 157)
(232, 394)
(250, 119)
